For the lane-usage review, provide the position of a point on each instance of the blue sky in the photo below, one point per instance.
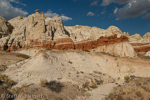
(131, 16)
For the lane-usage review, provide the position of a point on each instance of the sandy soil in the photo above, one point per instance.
(78, 68)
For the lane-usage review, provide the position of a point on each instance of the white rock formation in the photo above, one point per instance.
(123, 49)
(147, 53)
(138, 39)
(79, 33)
(5, 27)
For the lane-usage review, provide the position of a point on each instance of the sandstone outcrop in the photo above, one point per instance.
(15, 22)
(147, 53)
(140, 44)
(36, 30)
(5, 27)
(80, 33)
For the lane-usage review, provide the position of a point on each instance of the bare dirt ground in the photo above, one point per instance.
(90, 72)
(7, 58)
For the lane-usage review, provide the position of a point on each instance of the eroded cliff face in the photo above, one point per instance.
(140, 44)
(80, 33)
(39, 31)
(5, 27)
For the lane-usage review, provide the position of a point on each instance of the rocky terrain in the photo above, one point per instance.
(39, 53)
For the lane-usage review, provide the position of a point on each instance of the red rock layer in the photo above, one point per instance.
(67, 43)
(141, 47)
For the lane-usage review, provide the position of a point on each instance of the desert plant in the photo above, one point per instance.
(119, 97)
(2, 77)
(111, 95)
(48, 49)
(58, 98)
(127, 79)
(86, 50)
(24, 85)
(82, 72)
(139, 94)
(16, 90)
(3, 67)
(43, 83)
(94, 85)
(8, 81)
(23, 56)
(145, 88)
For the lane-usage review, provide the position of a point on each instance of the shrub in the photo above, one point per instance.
(43, 83)
(139, 94)
(86, 50)
(111, 95)
(3, 67)
(94, 85)
(119, 97)
(48, 49)
(58, 98)
(7, 80)
(82, 72)
(24, 85)
(127, 79)
(145, 88)
(23, 56)
(2, 77)
(16, 90)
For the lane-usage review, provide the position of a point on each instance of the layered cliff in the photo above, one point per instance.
(140, 44)
(36, 30)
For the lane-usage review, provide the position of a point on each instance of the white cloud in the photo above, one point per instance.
(106, 2)
(131, 8)
(65, 18)
(94, 3)
(147, 15)
(8, 11)
(49, 13)
(90, 14)
(115, 11)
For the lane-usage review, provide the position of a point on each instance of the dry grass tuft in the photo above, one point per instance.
(43, 83)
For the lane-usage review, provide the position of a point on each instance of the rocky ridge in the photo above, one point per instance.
(36, 30)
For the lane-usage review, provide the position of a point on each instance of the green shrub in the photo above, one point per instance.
(94, 85)
(127, 79)
(23, 56)
(48, 49)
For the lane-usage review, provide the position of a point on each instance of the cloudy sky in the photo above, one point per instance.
(131, 16)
